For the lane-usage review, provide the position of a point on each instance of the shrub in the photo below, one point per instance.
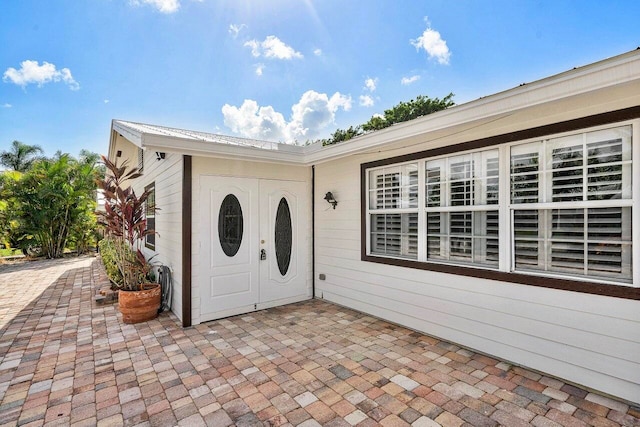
(109, 251)
(108, 254)
(125, 221)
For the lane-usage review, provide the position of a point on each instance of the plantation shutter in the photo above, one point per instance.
(525, 174)
(461, 183)
(566, 182)
(395, 234)
(604, 171)
(526, 239)
(567, 241)
(609, 242)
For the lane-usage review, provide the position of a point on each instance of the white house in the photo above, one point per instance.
(509, 224)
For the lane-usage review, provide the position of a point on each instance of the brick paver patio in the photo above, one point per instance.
(64, 360)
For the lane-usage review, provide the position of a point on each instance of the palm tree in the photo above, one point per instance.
(20, 157)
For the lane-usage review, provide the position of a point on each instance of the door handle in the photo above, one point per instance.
(263, 254)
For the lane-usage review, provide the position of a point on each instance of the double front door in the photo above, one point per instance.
(255, 247)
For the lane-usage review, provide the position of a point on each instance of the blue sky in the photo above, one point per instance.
(282, 70)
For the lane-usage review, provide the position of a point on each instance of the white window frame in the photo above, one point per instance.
(506, 208)
(399, 210)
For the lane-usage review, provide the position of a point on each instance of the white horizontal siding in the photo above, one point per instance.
(167, 176)
(585, 339)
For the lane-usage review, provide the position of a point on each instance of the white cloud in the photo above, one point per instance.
(366, 101)
(32, 73)
(235, 29)
(163, 6)
(6, 105)
(370, 84)
(259, 69)
(309, 116)
(272, 47)
(255, 47)
(317, 52)
(433, 44)
(408, 80)
(253, 121)
(106, 101)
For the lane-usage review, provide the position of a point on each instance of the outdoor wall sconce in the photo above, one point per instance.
(160, 155)
(330, 199)
(119, 153)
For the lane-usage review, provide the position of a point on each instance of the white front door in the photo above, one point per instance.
(284, 234)
(254, 249)
(229, 245)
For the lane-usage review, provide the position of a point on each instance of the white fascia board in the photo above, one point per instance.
(211, 149)
(610, 72)
(127, 133)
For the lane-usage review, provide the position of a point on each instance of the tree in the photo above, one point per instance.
(8, 208)
(402, 112)
(84, 229)
(21, 156)
(343, 135)
(54, 196)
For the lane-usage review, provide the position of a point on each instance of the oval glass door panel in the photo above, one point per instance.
(283, 236)
(230, 225)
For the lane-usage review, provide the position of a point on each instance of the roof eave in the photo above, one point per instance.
(131, 135)
(212, 149)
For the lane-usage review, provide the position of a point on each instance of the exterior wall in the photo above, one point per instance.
(587, 339)
(224, 167)
(128, 149)
(167, 175)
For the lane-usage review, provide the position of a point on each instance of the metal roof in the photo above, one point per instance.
(147, 129)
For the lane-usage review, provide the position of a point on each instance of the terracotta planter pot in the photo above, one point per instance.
(140, 306)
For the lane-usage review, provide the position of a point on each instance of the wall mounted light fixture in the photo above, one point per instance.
(330, 199)
(160, 155)
(119, 153)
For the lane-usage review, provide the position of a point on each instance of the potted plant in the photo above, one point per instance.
(125, 223)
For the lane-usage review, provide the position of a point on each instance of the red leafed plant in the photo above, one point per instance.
(124, 221)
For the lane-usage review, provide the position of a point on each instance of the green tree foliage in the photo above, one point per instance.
(402, 112)
(343, 135)
(20, 157)
(54, 198)
(8, 208)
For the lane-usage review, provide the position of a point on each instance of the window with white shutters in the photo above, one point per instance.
(559, 207)
(581, 188)
(462, 220)
(393, 201)
(150, 215)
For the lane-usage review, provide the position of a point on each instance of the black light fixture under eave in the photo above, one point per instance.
(330, 199)
(160, 155)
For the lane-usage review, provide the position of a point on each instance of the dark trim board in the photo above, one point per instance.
(313, 231)
(618, 291)
(186, 239)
